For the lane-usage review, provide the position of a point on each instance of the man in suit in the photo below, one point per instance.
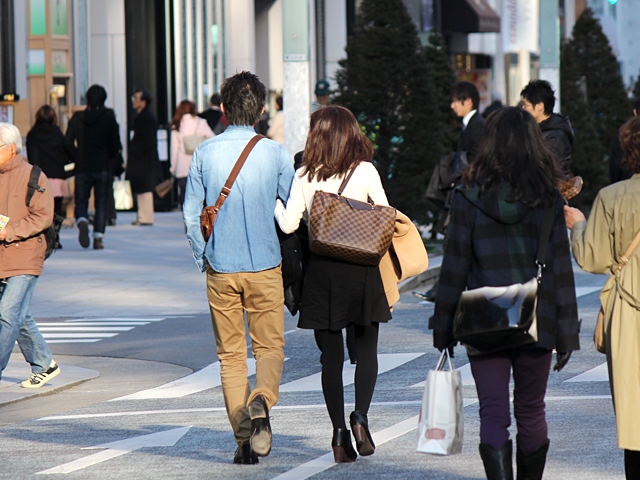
(465, 100)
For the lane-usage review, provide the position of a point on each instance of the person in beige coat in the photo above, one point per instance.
(598, 246)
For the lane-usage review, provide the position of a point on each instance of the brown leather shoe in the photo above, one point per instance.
(260, 426)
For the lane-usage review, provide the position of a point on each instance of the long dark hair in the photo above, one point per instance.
(184, 107)
(513, 151)
(630, 143)
(335, 143)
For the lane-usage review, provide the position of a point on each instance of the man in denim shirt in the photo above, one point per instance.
(242, 260)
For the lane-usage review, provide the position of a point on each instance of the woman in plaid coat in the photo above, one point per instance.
(492, 240)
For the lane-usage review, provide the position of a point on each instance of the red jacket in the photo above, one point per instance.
(22, 252)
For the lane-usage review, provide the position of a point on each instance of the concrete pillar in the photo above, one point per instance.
(296, 96)
(550, 46)
(240, 36)
(107, 57)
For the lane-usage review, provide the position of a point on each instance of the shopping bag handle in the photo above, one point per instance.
(445, 356)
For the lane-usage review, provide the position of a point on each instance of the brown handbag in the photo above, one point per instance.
(350, 230)
(209, 214)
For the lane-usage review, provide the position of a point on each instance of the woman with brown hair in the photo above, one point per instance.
(45, 148)
(187, 130)
(598, 247)
(336, 293)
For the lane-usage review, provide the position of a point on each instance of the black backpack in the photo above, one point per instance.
(50, 233)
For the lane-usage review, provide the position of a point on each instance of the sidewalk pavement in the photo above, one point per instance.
(142, 271)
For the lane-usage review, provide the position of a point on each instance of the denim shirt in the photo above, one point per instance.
(244, 236)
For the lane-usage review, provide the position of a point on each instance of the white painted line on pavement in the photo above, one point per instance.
(182, 411)
(75, 340)
(119, 319)
(386, 362)
(597, 374)
(582, 291)
(292, 331)
(78, 335)
(73, 328)
(89, 324)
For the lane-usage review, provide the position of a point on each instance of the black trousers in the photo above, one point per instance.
(632, 464)
(331, 345)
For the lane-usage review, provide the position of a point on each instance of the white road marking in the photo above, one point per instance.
(118, 319)
(386, 362)
(582, 291)
(89, 324)
(73, 328)
(78, 335)
(597, 374)
(168, 438)
(465, 372)
(75, 340)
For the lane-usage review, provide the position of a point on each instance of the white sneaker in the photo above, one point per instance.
(36, 380)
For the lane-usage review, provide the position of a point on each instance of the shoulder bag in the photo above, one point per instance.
(489, 319)
(191, 142)
(209, 214)
(617, 291)
(350, 230)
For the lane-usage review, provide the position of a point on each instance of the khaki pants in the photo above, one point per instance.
(261, 295)
(145, 207)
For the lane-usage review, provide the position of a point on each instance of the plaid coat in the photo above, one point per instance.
(493, 242)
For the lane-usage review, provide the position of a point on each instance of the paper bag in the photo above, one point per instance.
(441, 424)
(122, 194)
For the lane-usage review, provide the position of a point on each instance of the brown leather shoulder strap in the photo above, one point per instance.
(628, 252)
(224, 193)
(343, 185)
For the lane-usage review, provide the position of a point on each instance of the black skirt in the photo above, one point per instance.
(336, 294)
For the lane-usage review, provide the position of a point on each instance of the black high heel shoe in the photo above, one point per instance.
(360, 427)
(342, 448)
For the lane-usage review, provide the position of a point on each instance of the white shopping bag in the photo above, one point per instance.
(122, 194)
(441, 424)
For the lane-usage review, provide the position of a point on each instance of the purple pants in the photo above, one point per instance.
(530, 374)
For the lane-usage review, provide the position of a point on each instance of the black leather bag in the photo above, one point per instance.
(490, 319)
(291, 251)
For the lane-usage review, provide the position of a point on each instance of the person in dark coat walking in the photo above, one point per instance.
(538, 98)
(143, 165)
(492, 240)
(213, 114)
(45, 148)
(92, 140)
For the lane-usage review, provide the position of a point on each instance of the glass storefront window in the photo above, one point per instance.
(38, 17)
(36, 62)
(59, 17)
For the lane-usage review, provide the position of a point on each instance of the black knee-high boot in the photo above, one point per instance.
(497, 463)
(531, 465)
(632, 464)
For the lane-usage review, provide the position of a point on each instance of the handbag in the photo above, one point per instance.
(164, 187)
(209, 213)
(191, 142)
(350, 230)
(617, 291)
(571, 187)
(122, 194)
(489, 319)
(441, 423)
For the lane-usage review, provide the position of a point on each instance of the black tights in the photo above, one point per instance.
(632, 464)
(332, 348)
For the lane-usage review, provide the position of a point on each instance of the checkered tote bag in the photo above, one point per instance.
(350, 230)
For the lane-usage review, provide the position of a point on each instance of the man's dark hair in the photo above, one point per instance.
(96, 96)
(538, 91)
(145, 95)
(636, 105)
(243, 97)
(215, 100)
(466, 90)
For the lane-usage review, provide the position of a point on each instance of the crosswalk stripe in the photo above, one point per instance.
(465, 373)
(597, 374)
(78, 335)
(121, 319)
(89, 324)
(75, 340)
(73, 328)
(582, 291)
(386, 362)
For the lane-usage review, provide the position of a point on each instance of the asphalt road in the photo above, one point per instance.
(155, 410)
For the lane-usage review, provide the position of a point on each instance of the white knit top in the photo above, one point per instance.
(365, 182)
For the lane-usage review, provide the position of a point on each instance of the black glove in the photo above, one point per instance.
(562, 358)
(442, 340)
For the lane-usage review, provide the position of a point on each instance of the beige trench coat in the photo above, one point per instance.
(597, 247)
